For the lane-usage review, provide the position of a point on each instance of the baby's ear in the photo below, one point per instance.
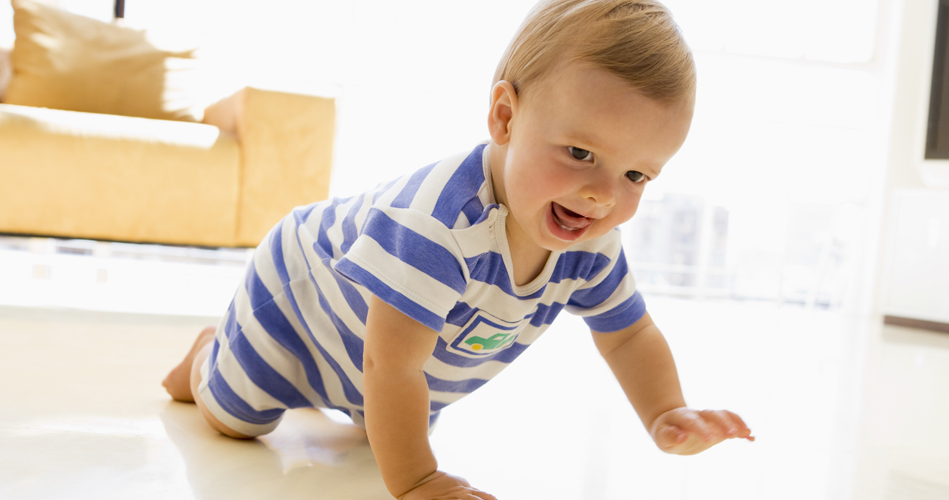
(503, 105)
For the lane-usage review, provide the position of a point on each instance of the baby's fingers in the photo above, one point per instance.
(693, 422)
(726, 424)
(670, 436)
(731, 425)
(480, 495)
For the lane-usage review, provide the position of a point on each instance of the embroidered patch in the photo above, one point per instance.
(485, 335)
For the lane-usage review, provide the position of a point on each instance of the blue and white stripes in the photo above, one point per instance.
(432, 244)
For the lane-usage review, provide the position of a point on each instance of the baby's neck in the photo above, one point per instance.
(527, 257)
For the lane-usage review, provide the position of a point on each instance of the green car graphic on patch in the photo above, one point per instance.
(481, 343)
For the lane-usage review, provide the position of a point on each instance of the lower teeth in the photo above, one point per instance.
(562, 226)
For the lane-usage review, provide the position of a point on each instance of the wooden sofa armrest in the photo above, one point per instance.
(286, 143)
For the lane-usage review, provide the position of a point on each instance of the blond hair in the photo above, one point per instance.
(636, 40)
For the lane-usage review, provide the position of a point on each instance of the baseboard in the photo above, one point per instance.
(921, 324)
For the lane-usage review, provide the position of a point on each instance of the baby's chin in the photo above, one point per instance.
(555, 244)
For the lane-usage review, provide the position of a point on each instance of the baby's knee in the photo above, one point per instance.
(209, 417)
(216, 424)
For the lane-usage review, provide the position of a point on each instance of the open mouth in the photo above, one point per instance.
(570, 223)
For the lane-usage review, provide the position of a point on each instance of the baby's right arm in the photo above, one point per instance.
(397, 407)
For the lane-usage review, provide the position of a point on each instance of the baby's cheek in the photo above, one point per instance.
(627, 209)
(633, 201)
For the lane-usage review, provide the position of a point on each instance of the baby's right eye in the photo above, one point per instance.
(580, 154)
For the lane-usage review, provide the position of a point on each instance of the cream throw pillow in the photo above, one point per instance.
(6, 70)
(66, 61)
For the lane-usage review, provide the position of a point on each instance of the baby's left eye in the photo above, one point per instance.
(580, 154)
(635, 176)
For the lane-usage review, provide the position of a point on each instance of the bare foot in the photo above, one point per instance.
(178, 381)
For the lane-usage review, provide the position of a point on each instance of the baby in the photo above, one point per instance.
(395, 303)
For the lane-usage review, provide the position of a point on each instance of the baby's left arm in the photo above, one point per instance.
(642, 363)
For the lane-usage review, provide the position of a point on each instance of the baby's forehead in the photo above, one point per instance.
(587, 106)
(577, 79)
(585, 82)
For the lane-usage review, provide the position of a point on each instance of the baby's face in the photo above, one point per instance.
(583, 145)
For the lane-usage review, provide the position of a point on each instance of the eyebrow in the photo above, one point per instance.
(582, 138)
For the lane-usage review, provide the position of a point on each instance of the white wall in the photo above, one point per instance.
(6, 25)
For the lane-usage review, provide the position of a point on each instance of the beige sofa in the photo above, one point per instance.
(128, 155)
(97, 176)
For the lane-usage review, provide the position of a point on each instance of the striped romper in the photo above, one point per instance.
(432, 244)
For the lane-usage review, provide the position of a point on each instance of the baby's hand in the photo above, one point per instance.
(442, 486)
(686, 432)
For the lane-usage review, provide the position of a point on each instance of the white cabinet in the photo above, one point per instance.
(916, 281)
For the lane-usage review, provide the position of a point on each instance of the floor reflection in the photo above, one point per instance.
(308, 456)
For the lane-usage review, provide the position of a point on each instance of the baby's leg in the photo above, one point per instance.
(183, 381)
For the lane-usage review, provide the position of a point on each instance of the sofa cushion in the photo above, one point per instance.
(6, 70)
(71, 62)
(82, 175)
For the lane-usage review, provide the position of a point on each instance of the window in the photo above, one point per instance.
(937, 136)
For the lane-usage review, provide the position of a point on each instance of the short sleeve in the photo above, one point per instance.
(608, 301)
(411, 261)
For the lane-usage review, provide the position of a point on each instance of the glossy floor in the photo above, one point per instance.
(842, 408)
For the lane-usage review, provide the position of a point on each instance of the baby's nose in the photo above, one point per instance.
(601, 193)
